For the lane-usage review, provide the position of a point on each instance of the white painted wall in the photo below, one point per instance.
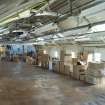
(53, 51)
(94, 50)
(72, 49)
(75, 48)
(91, 50)
(102, 51)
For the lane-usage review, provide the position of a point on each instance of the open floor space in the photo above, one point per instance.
(22, 84)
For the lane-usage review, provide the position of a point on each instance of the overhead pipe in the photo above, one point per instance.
(74, 29)
(73, 37)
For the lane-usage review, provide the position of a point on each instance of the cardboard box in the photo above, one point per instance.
(79, 70)
(62, 55)
(95, 81)
(67, 70)
(45, 64)
(96, 69)
(67, 60)
(82, 77)
(74, 61)
(55, 66)
(85, 56)
(45, 57)
(76, 72)
(61, 67)
(90, 79)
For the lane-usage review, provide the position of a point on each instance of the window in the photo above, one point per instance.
(97, 57)
(90, 58)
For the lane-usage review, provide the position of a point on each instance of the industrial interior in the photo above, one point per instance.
(52, 52)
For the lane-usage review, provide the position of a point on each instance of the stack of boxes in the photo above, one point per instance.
(45, 59)
(61, 67)
(79, 71)
(68, 64)
(56, 66)
(42, 59)
(95, 72)
(61, 62)
(92, 73)
(82, 72)
(39, 57)
(29, 60)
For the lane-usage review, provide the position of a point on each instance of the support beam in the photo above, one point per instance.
(71, 7)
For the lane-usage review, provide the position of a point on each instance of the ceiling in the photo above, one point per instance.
(49, 21)
(12, 7)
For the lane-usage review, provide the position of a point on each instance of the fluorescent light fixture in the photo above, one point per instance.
(98, 28)
(55, 36)
(40, 39)
(25, 14)
(18, 30)
(60, 35)
(44, 13)
(82, 39)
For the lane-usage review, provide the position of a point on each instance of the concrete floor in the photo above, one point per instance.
(22, 84)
